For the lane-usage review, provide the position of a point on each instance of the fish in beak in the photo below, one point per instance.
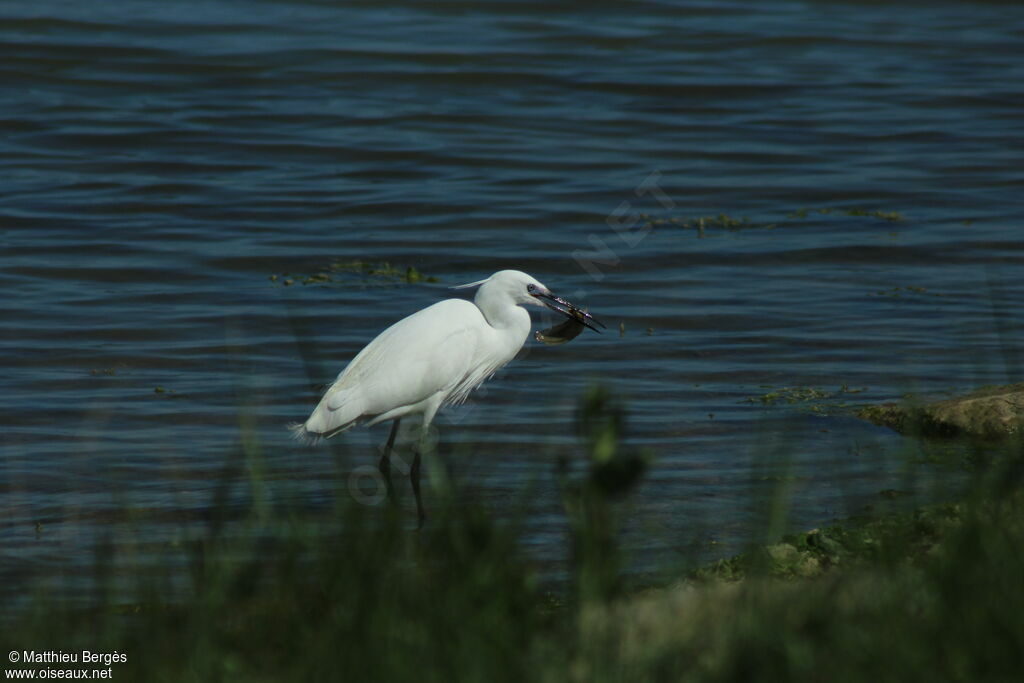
(577, 319)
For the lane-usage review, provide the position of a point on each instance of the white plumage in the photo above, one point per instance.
(432, 358)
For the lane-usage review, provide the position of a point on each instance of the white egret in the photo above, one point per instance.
(433, 358)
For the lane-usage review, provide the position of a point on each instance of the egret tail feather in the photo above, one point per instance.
(303, 435)
(306, 436)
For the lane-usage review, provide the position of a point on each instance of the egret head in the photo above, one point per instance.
(525, 289)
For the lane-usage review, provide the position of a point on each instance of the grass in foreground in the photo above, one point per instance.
(933, 595)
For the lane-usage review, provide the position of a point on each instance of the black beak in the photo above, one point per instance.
(557, 303)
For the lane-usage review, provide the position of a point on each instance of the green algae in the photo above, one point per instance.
(702, 224)
(811, 399)
(338, 272)
(722, 221)
(858, 212)
(906, 291)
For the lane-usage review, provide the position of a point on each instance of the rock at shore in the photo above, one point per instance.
(989, 412)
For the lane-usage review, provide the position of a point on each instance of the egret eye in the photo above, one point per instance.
(531, 288)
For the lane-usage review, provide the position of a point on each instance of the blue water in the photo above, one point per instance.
(162, 161)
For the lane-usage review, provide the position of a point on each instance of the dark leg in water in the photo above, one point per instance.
(385, 461)
(414, 477)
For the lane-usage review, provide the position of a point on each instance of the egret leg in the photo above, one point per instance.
(414, 477)
(385, 460)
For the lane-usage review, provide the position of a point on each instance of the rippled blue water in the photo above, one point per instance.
(161, 161)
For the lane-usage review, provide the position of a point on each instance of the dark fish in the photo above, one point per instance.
(560, 333)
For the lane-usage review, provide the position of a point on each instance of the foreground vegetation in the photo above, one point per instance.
(936, 594)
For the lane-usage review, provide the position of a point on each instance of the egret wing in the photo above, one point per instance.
(427, 352)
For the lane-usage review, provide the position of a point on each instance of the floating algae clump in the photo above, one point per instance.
(820, 401)
(702, 225)
(338, 271)
(890, 216)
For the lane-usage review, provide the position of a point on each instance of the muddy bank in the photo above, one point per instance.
(885, 595)
(990, 412)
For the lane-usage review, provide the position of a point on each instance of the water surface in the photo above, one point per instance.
(162, 161)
